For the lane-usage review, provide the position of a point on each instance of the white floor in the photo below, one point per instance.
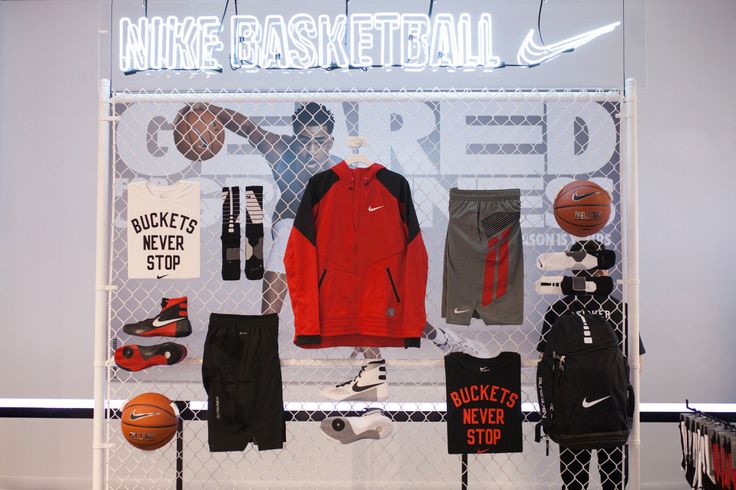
(44, 454)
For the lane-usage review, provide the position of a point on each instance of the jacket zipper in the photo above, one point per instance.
(353, 186)
(393, 286)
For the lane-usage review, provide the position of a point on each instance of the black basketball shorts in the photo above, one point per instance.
(241, 372)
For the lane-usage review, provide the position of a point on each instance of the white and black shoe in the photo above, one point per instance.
(448, 341)
(369, 385)
(576, 260)
(567, 285)
(370, 425)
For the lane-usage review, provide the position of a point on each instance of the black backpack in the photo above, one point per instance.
(585, 398)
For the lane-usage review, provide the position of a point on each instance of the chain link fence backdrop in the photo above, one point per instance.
(535, 141)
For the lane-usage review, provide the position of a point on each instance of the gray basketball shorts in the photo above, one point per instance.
(483, 274)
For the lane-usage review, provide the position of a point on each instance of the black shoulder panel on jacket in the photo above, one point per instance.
(317, 187)
(398, 186)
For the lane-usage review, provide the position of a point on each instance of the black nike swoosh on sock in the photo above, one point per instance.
(358, 389)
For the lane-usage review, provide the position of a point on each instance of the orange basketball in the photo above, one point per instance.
(582, 208)
(198, 135)
(149, 421)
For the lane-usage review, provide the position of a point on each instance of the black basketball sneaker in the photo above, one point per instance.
(173, 321)
(137, 357)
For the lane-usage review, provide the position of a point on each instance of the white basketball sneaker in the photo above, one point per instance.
(448, 341)
(369, 385)
(370, 425)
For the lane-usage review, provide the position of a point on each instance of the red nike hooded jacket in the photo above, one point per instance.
(355, 262)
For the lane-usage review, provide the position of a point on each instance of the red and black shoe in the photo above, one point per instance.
(137, 357)
(171, 322)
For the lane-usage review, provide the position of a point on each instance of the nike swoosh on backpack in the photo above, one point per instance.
(136, 416)
(358, 389)
(587, 404)
(577, 197)
(157, 323)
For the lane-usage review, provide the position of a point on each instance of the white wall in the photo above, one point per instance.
(687, 156)
(47, 198)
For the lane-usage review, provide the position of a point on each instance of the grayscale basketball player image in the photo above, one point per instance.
(293, 159)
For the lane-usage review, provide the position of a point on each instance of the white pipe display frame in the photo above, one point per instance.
(630, 180)
(103, 290)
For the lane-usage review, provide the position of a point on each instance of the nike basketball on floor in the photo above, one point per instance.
(369, 385)
(172, 321)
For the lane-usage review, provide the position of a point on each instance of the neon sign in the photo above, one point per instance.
(172, 44)
(408, 40)
(413, 41)
(532, 54)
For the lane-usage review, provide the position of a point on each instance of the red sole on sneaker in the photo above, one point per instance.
(138, 357)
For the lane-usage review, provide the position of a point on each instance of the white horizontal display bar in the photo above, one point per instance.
(680, 407)
(365, 96)
(348, 406)
(435, 363)
(46, 403)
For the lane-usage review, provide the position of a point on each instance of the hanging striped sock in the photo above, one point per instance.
(254, 232)
(230, 233)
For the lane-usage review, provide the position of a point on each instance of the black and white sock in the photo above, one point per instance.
(254, 232)
(230, 233)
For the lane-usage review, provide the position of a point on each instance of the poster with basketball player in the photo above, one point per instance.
(535, 146)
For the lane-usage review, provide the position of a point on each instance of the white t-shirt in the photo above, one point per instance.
(163, 230)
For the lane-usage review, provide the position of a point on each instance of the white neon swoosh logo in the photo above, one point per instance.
(530, 53)
(370, 209)
(457, 312)
(587, 404)
(157, 323)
